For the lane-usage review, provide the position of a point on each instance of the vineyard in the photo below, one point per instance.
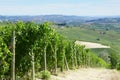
(29, 50)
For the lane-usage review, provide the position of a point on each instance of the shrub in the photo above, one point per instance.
(43, 75)
(118, 66)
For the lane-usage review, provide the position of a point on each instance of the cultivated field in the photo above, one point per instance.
(91, 44)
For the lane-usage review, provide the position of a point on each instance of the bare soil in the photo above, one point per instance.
(88, 74)
(91, 44)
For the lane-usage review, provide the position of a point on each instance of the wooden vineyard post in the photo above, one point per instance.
(33, 66)
(13, 57)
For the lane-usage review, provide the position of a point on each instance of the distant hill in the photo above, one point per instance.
(51, 18)
(63, 19)
(42, 18)
(105, 20)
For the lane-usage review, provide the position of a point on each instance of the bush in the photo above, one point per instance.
(118, 66)
(43, 75)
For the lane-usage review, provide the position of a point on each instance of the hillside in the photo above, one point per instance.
(50, 18)
(63, 19)
(110, 37)
(50, 51)
(40, 51)
(106, 37)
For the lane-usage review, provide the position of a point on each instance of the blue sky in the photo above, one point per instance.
(63, 7)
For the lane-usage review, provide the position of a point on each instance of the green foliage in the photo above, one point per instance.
(107, 34)
(46, 43)
(96, 61)
(113, 60)
(43, 75)
(5, 56)
(118, 66)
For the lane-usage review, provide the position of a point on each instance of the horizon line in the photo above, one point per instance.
(62, 15)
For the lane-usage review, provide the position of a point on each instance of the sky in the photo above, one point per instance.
(60, 7)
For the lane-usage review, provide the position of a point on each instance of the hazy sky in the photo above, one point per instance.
(65, 7)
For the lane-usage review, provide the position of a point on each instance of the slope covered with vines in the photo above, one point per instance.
(38, 47)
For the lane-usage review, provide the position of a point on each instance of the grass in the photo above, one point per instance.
(110, 38)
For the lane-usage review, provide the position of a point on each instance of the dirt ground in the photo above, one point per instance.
(88, 74)
(91, 44)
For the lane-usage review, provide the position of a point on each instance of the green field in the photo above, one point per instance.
(106, 37)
